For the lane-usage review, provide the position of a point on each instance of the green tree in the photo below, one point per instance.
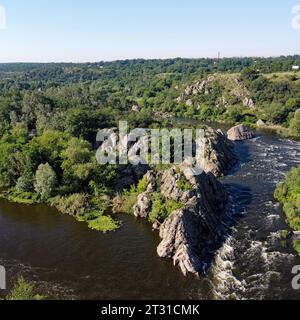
(77, 162)
(45, 181)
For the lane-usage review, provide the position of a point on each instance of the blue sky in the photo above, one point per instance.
(93, 30)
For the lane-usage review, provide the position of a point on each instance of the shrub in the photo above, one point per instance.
(184, 184)
(24, 291)
(162, 208)
(73, 205)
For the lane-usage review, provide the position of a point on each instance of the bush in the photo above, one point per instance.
(73, 205)
(184, 184)
(24, 291)
(162, 208)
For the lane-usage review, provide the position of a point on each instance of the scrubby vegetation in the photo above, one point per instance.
(288, 193)
(162, 207)
(24, 290)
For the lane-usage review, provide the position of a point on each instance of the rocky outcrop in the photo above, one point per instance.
(200, 86)
(248, 102)
(218, 154)
(188, 234)
(239, 133)
(232, 88)
(144, 200)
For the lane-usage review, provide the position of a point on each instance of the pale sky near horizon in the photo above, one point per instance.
(91, 30)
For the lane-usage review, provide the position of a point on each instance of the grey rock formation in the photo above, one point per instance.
(186, 235)
(239, 133)
(144, 202)
(248, 102)
(218, 154)
(186, 232)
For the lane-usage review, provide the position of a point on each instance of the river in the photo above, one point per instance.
(66, 260)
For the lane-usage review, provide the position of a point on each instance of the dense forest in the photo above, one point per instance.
(50, 113)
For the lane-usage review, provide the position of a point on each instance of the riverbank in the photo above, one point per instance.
(82, 207)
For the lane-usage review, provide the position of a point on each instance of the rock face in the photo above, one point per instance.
(234, 88)
(219, 155)
(144, 202)
(248, 102)
(239, 133)
(188, 233)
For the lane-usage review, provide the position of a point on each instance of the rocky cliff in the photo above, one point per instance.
(188, 234)
(219, 154)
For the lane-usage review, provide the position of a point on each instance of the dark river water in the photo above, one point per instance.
(66, 260)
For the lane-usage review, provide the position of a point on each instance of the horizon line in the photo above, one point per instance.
(149, 59)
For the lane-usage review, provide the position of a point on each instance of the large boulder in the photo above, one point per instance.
(239, 133)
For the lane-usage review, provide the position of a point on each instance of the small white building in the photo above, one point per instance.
(295, 68)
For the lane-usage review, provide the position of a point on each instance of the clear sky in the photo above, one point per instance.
(93, 30)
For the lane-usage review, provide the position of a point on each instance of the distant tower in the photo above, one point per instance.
(219, 56)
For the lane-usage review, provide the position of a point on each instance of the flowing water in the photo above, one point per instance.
(66, 260)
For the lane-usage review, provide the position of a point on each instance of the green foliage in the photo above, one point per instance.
(24, 291)
(124, 203)
(288, 193)
(296, 245)
(184, 184)
(22, 197)
(294, 128)
(249, 74)
(74, 205)
(162, 207)
(77, 162)
(104, 224)
(45, 181)
(142, 185)
(104, 179)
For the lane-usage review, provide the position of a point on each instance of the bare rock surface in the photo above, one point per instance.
(187, 233)
(239, 133)
(218, 153)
